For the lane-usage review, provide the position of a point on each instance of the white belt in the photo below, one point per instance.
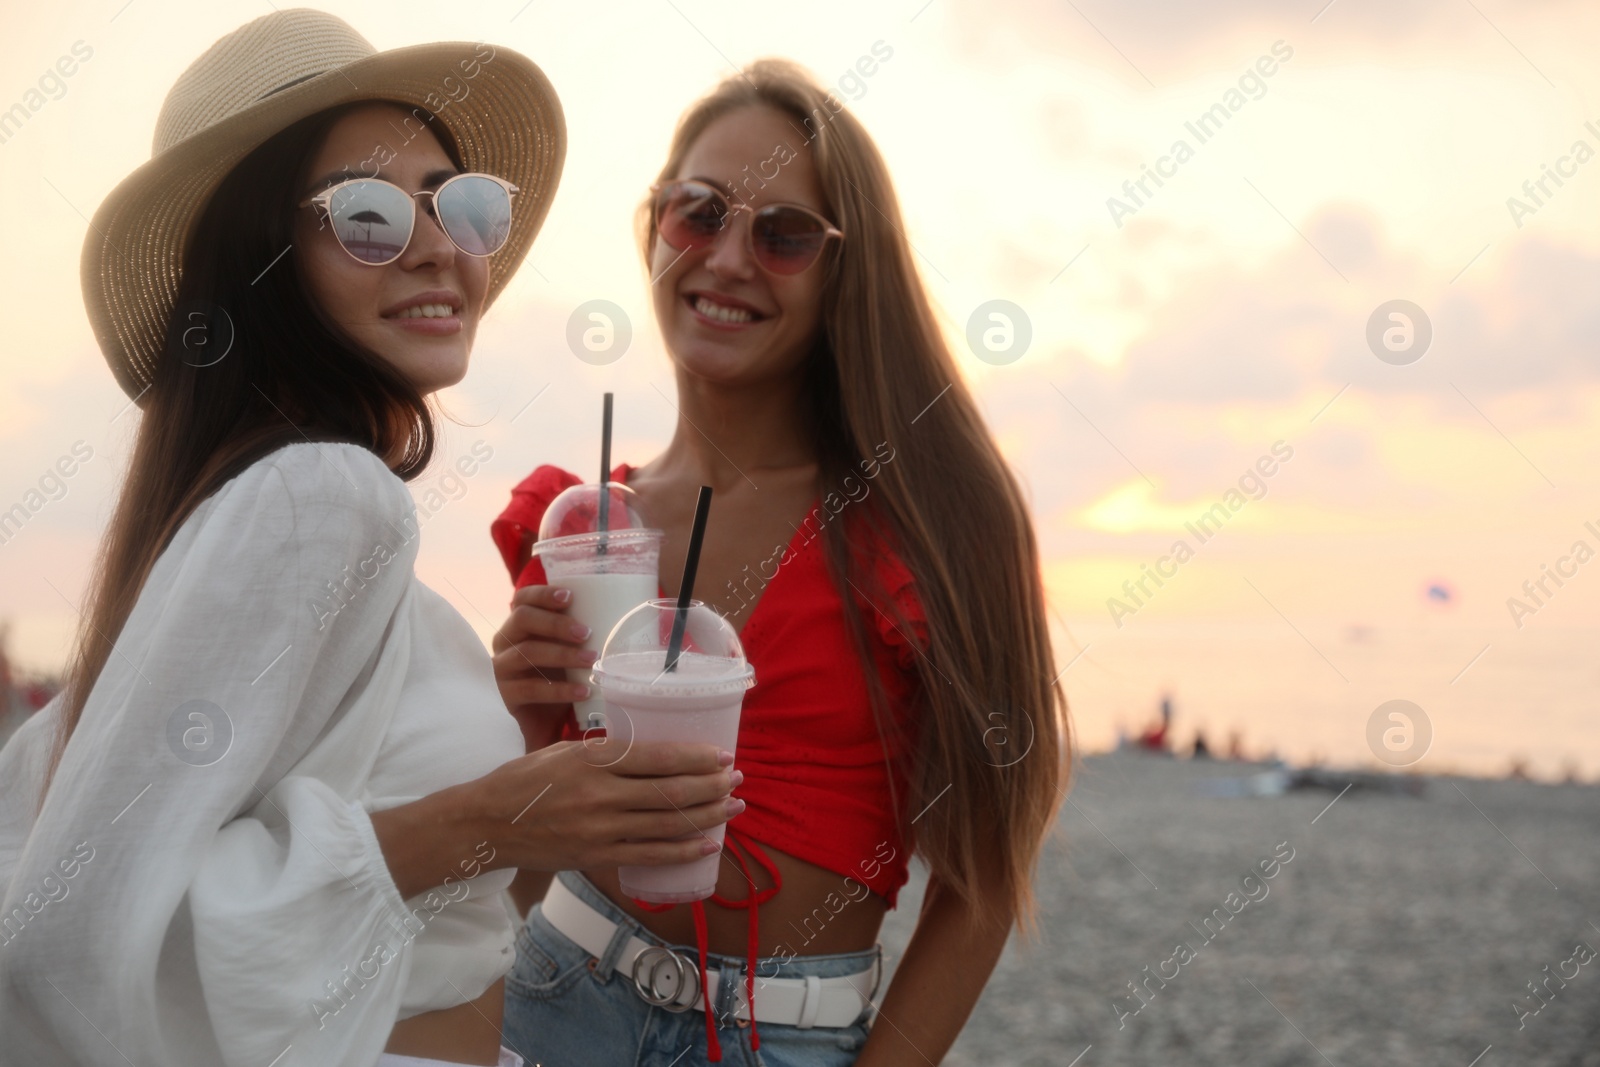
(671, 980)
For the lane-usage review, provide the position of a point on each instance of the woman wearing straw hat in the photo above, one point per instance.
(877, 556)
(268, 820)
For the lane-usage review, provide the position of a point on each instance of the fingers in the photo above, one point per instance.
(678, 793)
(538, 611)
(675, 822)
(536, 689)
(605, 819)
(661, 758)
(526, 621)
(527, 657)
(553, 597)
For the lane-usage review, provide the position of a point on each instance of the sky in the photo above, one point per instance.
(1180, 334)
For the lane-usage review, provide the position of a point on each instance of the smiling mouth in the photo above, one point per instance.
(721, 313)
(425, 311)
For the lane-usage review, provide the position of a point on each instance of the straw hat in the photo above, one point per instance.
(263, 77)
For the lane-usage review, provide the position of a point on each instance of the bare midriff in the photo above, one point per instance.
(817, 912)
(466, 1033)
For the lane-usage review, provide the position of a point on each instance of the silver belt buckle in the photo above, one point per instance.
(648, 985)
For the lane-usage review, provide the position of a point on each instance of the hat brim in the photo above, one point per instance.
(505, 119)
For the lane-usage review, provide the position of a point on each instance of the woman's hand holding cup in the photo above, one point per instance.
(575, 805)
(533, 650)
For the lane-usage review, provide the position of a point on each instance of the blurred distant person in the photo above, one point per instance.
(1154, 738)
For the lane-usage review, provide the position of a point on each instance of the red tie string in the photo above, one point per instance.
(741, 846)
(713, 1046)
(757, 897)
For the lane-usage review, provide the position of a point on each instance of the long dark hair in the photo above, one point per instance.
(250, 363)
(989, 690)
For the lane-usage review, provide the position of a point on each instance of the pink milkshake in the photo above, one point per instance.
(698, 700)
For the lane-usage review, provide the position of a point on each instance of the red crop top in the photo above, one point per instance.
(816, 781)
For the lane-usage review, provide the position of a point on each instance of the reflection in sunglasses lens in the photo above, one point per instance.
(372, 220)
(476, 213)
(691, 215)
(787, 240)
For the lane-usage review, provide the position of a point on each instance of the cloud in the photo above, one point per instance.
(1525, 320)
(1168, 41)
(1537, 324)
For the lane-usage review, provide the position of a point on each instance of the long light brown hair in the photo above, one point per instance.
(988, 688)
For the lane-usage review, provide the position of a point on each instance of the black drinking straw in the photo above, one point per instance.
(691, 562)
(605, 472)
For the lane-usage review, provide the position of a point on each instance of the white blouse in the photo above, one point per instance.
(202, 884)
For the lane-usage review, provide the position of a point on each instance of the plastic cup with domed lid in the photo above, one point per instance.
(610, 569)
(697, 700)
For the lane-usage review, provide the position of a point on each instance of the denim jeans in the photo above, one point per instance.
(566, 1008)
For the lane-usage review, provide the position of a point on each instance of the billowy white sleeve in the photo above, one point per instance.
(202, 884)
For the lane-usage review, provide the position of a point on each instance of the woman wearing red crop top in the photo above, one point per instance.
(874, 553)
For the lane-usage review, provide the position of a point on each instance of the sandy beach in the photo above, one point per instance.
(1403, 930)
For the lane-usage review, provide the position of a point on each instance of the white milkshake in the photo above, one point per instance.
(610, 571)
(599, 601)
